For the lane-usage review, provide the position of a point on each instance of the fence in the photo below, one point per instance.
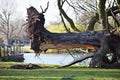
(8, 50)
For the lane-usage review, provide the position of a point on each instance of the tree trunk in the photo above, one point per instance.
(102, 13)
(101, 41)
(92, 22)
(109, 44)
(91, 40)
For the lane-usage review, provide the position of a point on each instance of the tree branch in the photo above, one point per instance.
(66, 16)
(90, 55)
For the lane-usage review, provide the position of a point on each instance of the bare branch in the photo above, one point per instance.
(41, 8)
(63, 1)
(90, 55)
(114, 18)
(67, 17)
(64, 23)
(43, 11)
(3, 20)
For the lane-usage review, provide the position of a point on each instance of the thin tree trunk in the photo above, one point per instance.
(92, 22)
(102, 13)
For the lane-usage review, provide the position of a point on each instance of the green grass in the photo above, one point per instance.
(57, 74)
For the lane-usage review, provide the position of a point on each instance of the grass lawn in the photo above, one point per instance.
(72, 73)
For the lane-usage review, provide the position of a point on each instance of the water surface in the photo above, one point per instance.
(51, 59)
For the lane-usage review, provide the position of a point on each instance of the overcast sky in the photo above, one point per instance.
(51, 15)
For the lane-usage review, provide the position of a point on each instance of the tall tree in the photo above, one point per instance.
(10, 26)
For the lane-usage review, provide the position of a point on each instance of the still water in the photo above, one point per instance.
(59, 59)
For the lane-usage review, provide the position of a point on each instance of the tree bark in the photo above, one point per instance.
(92, 22)
(43, 40)
(91, 40)
(109, 44)
(102, 13)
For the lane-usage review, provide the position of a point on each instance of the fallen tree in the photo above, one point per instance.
(102, 42)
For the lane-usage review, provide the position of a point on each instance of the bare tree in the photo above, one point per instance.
(87, 11)
(84, 11)
(10, 26)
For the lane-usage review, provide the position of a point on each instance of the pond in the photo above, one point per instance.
(59, 59)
